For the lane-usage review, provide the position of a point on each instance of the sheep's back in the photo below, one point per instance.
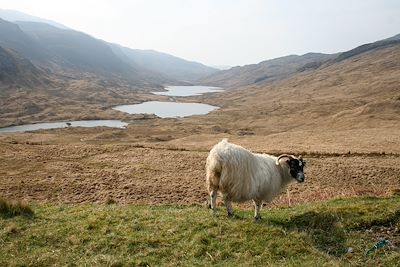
(238, 171)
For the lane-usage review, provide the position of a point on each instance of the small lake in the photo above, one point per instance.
(54, 125)
(188, 90)
(160, 109)
(167, 109)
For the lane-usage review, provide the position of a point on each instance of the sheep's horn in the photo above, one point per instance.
(282, 156)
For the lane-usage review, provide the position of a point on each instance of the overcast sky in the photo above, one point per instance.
(225, 32)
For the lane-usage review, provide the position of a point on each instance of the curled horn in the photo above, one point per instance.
(282, 156)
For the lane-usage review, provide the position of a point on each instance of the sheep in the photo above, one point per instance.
(240, 175)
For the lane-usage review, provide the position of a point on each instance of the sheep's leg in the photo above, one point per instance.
(228, 205)
(258, 205)
(213, 197)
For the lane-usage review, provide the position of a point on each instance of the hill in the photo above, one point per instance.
(12, 37)
(78, 52)
(281, 68)
(16, 71)
(14, 16)
(265, 71)
(349, 105)
(59, 49)
(165, 64)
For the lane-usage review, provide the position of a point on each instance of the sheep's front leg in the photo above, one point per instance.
(228, 205)
(258, 205)
(213, 197)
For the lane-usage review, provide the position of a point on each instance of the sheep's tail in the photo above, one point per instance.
(213, 172)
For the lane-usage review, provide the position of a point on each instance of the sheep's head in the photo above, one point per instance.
(295, 164)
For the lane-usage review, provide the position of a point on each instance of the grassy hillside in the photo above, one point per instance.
(266, 71)
(280, 68)
(118, 235)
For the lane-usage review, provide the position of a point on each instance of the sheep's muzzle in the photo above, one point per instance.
(300, 177)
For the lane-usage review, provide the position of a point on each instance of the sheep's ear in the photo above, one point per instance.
(282, 159)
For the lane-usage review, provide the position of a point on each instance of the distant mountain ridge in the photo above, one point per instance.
(367, 47)
(14, 16)
(60, 50)
(265, 71)
(283, 67)
(165, 64)
(17, 71)
(76, 49)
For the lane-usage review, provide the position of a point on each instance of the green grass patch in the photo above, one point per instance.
(318, 234)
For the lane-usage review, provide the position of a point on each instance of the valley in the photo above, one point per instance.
(79, 193)
(343, 118)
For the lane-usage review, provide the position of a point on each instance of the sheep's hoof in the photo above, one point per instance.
(257, 218)
(231, 215)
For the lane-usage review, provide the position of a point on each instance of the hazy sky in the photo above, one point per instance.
(225, 32)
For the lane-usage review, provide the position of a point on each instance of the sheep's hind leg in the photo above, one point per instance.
(258, 205)
(228, 205)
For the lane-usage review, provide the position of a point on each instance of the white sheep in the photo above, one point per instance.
(240, 175)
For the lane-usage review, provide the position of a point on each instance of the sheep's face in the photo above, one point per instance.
(296, 167)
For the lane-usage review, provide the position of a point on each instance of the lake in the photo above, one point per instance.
(161, 109)
(54, 125)
(188, 90)
(167, 109)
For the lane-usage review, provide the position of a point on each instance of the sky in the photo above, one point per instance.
(225, 32)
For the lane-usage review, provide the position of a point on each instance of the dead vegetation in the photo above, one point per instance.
(344, 118)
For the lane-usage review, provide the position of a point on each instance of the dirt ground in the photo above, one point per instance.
(153, 173)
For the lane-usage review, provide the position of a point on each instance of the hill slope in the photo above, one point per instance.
(12, 37)
(353, 104)
(167, 65)
(16, 71)
(53, 46)
(280, 68)
(79, 51)
(266, 71)
(14, 16)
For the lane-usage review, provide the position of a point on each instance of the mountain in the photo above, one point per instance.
(343, 105)
(283, 67)
(71, 53)
(75, 49)
(12, 37)
(14, 16)
(265, 71)
(165, 64)
(17, 71)
(74, 53)
(368, 47)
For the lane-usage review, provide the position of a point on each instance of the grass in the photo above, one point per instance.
(131, 235)
(10, 209)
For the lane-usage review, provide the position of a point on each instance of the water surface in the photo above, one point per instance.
(188, 90)
(167, 109)
(63, 124)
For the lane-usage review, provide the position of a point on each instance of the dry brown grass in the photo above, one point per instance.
(345, 118)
